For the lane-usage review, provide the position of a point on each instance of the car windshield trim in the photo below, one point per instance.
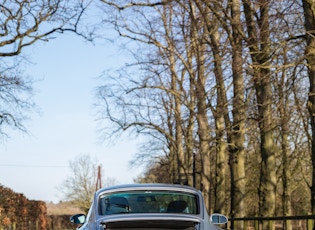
(148, 201)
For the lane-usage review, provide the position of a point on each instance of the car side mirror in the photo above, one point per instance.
(217, 218)
(78, 219)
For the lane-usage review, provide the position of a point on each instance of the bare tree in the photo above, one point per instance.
(218, 79)
(288, 79)
(80, 186)
(15, 98)
(237, 150)
(308, 7)
(22, 23)
(260, 47)
(171, 69)
(162, 78)
(193, 59)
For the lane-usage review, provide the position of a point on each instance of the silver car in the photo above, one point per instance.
(148, 206)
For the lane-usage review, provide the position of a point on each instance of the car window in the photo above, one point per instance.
(90, 214)
(148, 202)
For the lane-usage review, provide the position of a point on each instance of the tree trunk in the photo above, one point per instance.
(220, 113)
(237, 152)
(285, 145)
(267, 190)
(182, 162)
(203, 132)
(259, 45)
(234, 130)
(309, 12)
(199, 49)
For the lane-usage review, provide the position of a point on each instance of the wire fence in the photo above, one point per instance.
(273, 223)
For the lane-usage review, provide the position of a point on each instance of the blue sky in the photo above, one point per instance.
(36, 164)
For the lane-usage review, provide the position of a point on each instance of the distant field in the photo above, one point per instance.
(62, 208)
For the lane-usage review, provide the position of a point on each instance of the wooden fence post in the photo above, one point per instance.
(257, 224)
(245, 224)
(271, 225)
(309, 224)
(288, 224)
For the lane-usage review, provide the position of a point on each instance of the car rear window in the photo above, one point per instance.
(148, 202)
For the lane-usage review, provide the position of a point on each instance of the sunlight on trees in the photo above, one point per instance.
(221, 93)
(217, 85)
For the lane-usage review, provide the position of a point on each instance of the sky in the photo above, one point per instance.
(36, 164)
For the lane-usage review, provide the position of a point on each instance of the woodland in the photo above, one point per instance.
(221, 93)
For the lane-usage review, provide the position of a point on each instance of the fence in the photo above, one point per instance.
(56, 222)
(274, 223)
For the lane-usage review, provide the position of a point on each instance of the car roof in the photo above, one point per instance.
(153, 186)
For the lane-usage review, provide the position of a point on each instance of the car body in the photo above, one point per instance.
(148, 206)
